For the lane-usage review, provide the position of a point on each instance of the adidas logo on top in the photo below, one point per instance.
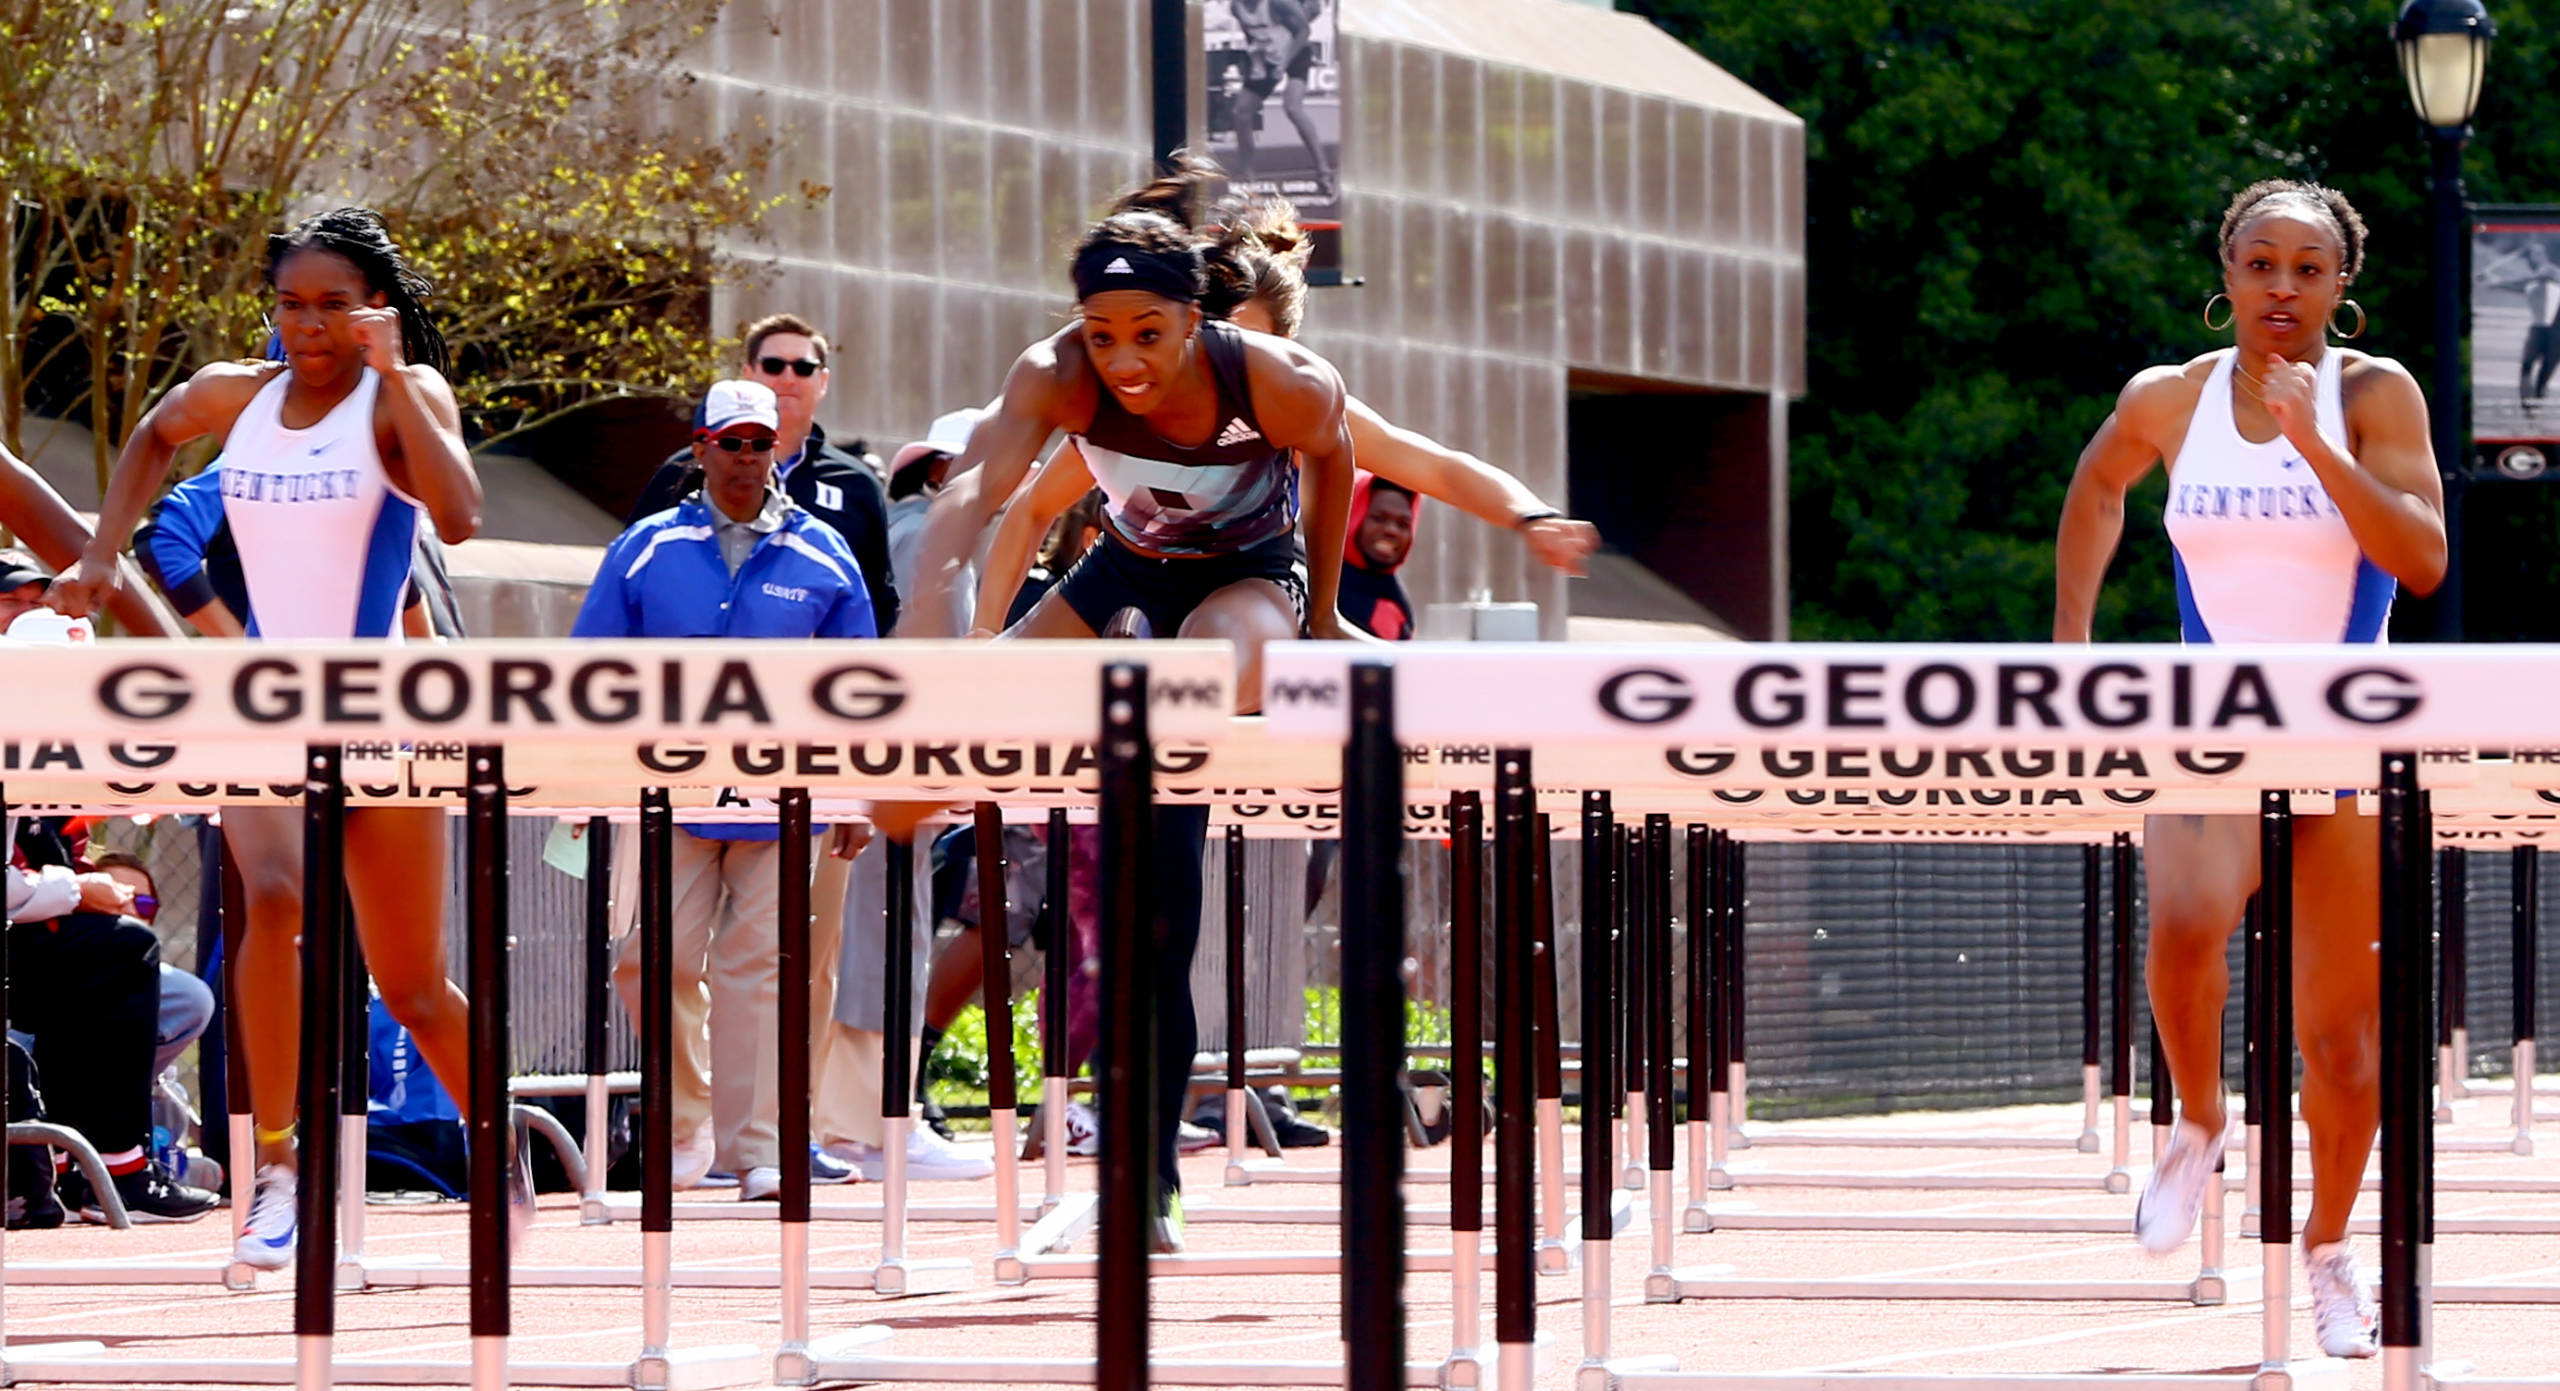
(1237, 432)
(1119, 266)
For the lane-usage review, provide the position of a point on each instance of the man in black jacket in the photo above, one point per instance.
(786, 353)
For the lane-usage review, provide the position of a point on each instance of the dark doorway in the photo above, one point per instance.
(1683, 483)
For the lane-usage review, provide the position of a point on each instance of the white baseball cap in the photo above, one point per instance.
(949, 434)
(739, 403)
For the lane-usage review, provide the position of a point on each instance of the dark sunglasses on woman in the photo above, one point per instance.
(773, 366)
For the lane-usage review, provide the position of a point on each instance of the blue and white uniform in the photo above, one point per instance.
(2262, 553)
(324, 539)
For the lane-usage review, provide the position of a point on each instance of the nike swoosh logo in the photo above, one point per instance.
(319, 449)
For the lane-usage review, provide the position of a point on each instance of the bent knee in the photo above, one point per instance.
(414, 1002)
(2346, 1051)
(274, 902)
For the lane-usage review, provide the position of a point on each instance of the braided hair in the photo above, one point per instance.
(2267, 194)
(359, 236)
(1257, 251)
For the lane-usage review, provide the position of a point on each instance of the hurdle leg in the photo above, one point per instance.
(1465, 1367)
(1701, 908)
(2120, 1178)
(791, 1364)
(1630, 1005)
(995, 957)
(1373, 1056)
(1238, 1126)
(2453, 1060)
(1660, 1139)
(2271, 1168)
(2407, 1113)
(1737, 906)
(2525, 898)
(354, 1083)
(1055, 1064)
(1720, 1128)
(242, 1125)
(2090, 1033)
(323, 939)
(599, 967)
(1555, 1246)
(493, 1131)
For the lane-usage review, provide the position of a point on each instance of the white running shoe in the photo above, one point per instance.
(2174, 1198)
(2342, 1314)
(760, 1184)
(1084, 1131)
(693, 1156)
(267, 1244)
(929, 1158)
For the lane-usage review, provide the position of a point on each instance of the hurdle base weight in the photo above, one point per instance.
(1696, 1219)
(1603, 1376)
(2309, 1374)
(796, 1364)
(1465, 1370)
(903, 1278)
(697, 1369)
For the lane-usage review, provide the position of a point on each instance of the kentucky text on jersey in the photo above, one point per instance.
(2303, 502)
(337, 485)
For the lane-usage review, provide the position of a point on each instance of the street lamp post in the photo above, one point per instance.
(2444, 50)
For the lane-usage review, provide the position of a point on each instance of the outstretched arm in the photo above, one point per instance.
(2093, 510)
(1471, 485)
(983, 479)
(1054, 489)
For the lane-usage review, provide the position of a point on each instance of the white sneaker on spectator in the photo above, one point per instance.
(1084, 1131)
(693, 1156)
(2342, 1314)
(929, 1158)
(763, 1183)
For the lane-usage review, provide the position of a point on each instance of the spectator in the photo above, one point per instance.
(186, 1002)
(788, 356)
(915, 475)
(22, 586)
(84, 982)
(736, 558)
(1381, 536)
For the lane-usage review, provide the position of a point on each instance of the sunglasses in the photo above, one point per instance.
(146, 906)
(736, 445)
(774, 366)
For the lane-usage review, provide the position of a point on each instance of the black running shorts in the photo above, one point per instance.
(1111, 577)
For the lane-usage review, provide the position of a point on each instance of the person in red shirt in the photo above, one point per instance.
(1381, 536)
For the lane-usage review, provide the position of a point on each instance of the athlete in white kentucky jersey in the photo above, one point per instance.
(323, 453)
(2302, 491)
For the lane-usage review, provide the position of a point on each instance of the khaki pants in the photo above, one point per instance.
(725, 902)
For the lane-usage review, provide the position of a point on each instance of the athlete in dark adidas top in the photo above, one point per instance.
(1190, 427)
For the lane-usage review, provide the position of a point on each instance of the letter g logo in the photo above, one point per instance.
(1646, 695)
(2375, 696)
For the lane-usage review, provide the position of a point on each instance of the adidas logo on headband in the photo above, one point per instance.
(1119, 266)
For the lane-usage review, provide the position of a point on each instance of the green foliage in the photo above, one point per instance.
(2011, 208)
(961, 1061)
(539, 160)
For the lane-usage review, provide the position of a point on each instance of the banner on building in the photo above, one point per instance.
(2515, 328)
(1275, 104)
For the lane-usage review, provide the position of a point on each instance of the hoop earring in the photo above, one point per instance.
(2212, 327)
(2360, 321)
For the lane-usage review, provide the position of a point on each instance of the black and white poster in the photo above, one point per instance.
(1275, 106)
(2515, 327)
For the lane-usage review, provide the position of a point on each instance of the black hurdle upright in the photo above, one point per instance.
(315, 1315)
(1719, 1006)
(1661, 1152)
(1238, 1107)
(599, 1040)
(2164, 1093)
(2408, 1058)
(2271, 985)
(1601, 839)
(2120, 1084)
(791, 1075)
(1129, 931)
(1373, 1056)
(657, 1089)
(242, 1162)
(1554, 1256)
(2253, 1088)
(1515, 884)
(897, 1067)
(2453, 978)
(355, 1087)
(1633, 903)
(492, 1121)
(2525, 901)
(2092, 1036)
(1466, 1091)
(1737, 947)
(1699, 845)
(1055, 1065)
(995, 960)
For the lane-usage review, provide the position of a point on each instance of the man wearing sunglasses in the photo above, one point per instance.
(787, 355)
(735, 558)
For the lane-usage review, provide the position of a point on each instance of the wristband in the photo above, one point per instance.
(1521, 522)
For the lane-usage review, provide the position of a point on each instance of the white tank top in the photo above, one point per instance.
(2262, 554)
(324, 539)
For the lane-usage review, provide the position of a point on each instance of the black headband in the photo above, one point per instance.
(1120, 266)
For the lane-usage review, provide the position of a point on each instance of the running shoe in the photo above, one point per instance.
(2342, 1314)
(761, 1184)
(826, 1168)
(33, 1206)
(268, 1242)
(2174, 1198)
(149, 1195)
(1191, 1139)
(1164, 1235)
